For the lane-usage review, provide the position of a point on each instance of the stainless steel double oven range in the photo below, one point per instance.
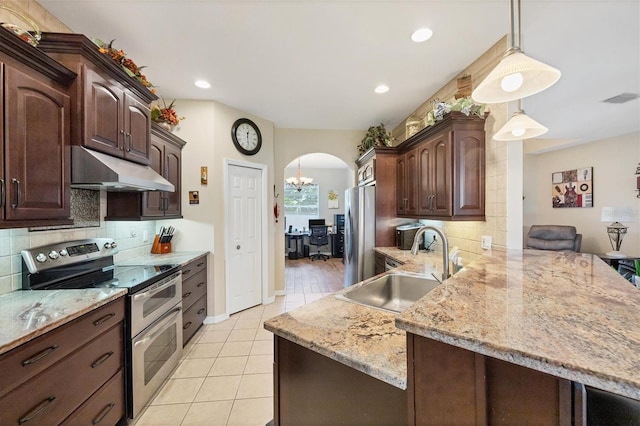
(153, 344)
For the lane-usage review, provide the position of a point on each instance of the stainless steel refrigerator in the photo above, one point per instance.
(359, 233)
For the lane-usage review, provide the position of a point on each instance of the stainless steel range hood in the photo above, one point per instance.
(94, 170)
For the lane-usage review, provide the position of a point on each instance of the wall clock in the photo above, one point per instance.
(246, 136)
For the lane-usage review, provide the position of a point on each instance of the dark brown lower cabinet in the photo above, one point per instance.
(311, 389)
(453, 386)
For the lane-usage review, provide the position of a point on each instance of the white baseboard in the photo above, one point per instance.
(280, 293)
(216, 319)
(269, 300)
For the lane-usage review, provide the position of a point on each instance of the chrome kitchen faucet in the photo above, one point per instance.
(445, 248)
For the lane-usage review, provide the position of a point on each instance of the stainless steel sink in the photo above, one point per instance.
(393, 292)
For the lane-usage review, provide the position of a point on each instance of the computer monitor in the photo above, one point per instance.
(316, 222)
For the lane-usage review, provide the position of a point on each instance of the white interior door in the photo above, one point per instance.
(244, 243)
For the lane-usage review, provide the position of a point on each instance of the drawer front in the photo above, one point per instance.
(105, 407)
(192, 319)
(25, 361)
(51, 396)
(194, 288)
(194, 266)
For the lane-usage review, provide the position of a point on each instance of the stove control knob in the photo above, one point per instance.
(63, 252)
(107, 245)
(53, 255)
(41, 257)
(114, 245)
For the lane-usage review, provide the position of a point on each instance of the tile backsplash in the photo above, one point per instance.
(128, 235)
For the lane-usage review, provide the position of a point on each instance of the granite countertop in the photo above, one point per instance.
(566, 314)
(179, 258)
(27, 314)
(360, 337)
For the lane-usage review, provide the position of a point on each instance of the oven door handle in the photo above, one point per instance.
(149, 293)
(168, 318)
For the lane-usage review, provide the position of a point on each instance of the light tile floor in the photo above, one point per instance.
(225, 376)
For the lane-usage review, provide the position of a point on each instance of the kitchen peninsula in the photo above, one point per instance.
(545, 321)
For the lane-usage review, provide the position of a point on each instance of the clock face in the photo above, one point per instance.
(246, 136)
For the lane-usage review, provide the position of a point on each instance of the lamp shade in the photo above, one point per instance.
(617, 214)
(516, 76)
(520, 127)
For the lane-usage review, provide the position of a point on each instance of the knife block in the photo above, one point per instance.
(160, 248)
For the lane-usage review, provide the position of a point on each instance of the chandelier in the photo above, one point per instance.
(299, 181)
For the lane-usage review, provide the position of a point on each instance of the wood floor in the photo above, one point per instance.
(304, 276)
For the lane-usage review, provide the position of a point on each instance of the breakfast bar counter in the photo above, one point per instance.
(565, 314)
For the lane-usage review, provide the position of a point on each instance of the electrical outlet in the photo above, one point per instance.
(486, 242)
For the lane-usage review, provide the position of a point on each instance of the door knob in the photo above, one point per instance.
(237, 247)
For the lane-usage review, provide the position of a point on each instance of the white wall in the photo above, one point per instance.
(614, 163)
(207, 131)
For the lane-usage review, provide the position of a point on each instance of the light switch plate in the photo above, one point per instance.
(486, 242)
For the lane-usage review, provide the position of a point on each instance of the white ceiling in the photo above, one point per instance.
(314, 63)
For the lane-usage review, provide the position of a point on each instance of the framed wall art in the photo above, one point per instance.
(572, 188)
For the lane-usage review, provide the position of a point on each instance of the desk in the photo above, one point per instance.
(297, 252)
(298, 237)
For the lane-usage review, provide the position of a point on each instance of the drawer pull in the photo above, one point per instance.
(102, 359)
(36, 411)
(200, 264)
(39, 356)
(103, 413)
(200, 284)
(201, 311)
(103, 319)
(186, 272)
(186, 295)
(187, 325)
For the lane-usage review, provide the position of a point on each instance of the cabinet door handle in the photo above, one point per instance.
(200, 284)
(187, 325)
(200, 264)
(102, 359)
(37, 410)
(103, 319)
(37, 357)
(101, 415)
(16, 183)
(201, 311)
(2, 193)
(128, 136)
(186, 295)
(185, 273)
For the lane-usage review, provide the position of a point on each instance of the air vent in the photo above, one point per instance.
(622, 98)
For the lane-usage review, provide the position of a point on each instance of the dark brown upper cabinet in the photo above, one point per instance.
(35, 136)
(440, 171)
(166, 159)
(110, 108)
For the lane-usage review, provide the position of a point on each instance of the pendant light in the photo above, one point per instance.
(520, 127)
(517, 75)
(299, 181)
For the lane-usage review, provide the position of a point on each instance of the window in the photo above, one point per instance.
(304, 202)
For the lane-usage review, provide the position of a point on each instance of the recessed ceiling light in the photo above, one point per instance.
(202, 84)
(382, 89)
(423, 34)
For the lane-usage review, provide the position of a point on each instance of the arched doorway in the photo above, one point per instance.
(313, 195)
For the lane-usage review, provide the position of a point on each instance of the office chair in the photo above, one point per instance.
(554, 237)
(319, 237)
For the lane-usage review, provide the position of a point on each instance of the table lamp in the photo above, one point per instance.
(616, 230)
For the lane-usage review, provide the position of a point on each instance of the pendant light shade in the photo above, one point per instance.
(520, 127)
(299, 181)
(517, 75)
